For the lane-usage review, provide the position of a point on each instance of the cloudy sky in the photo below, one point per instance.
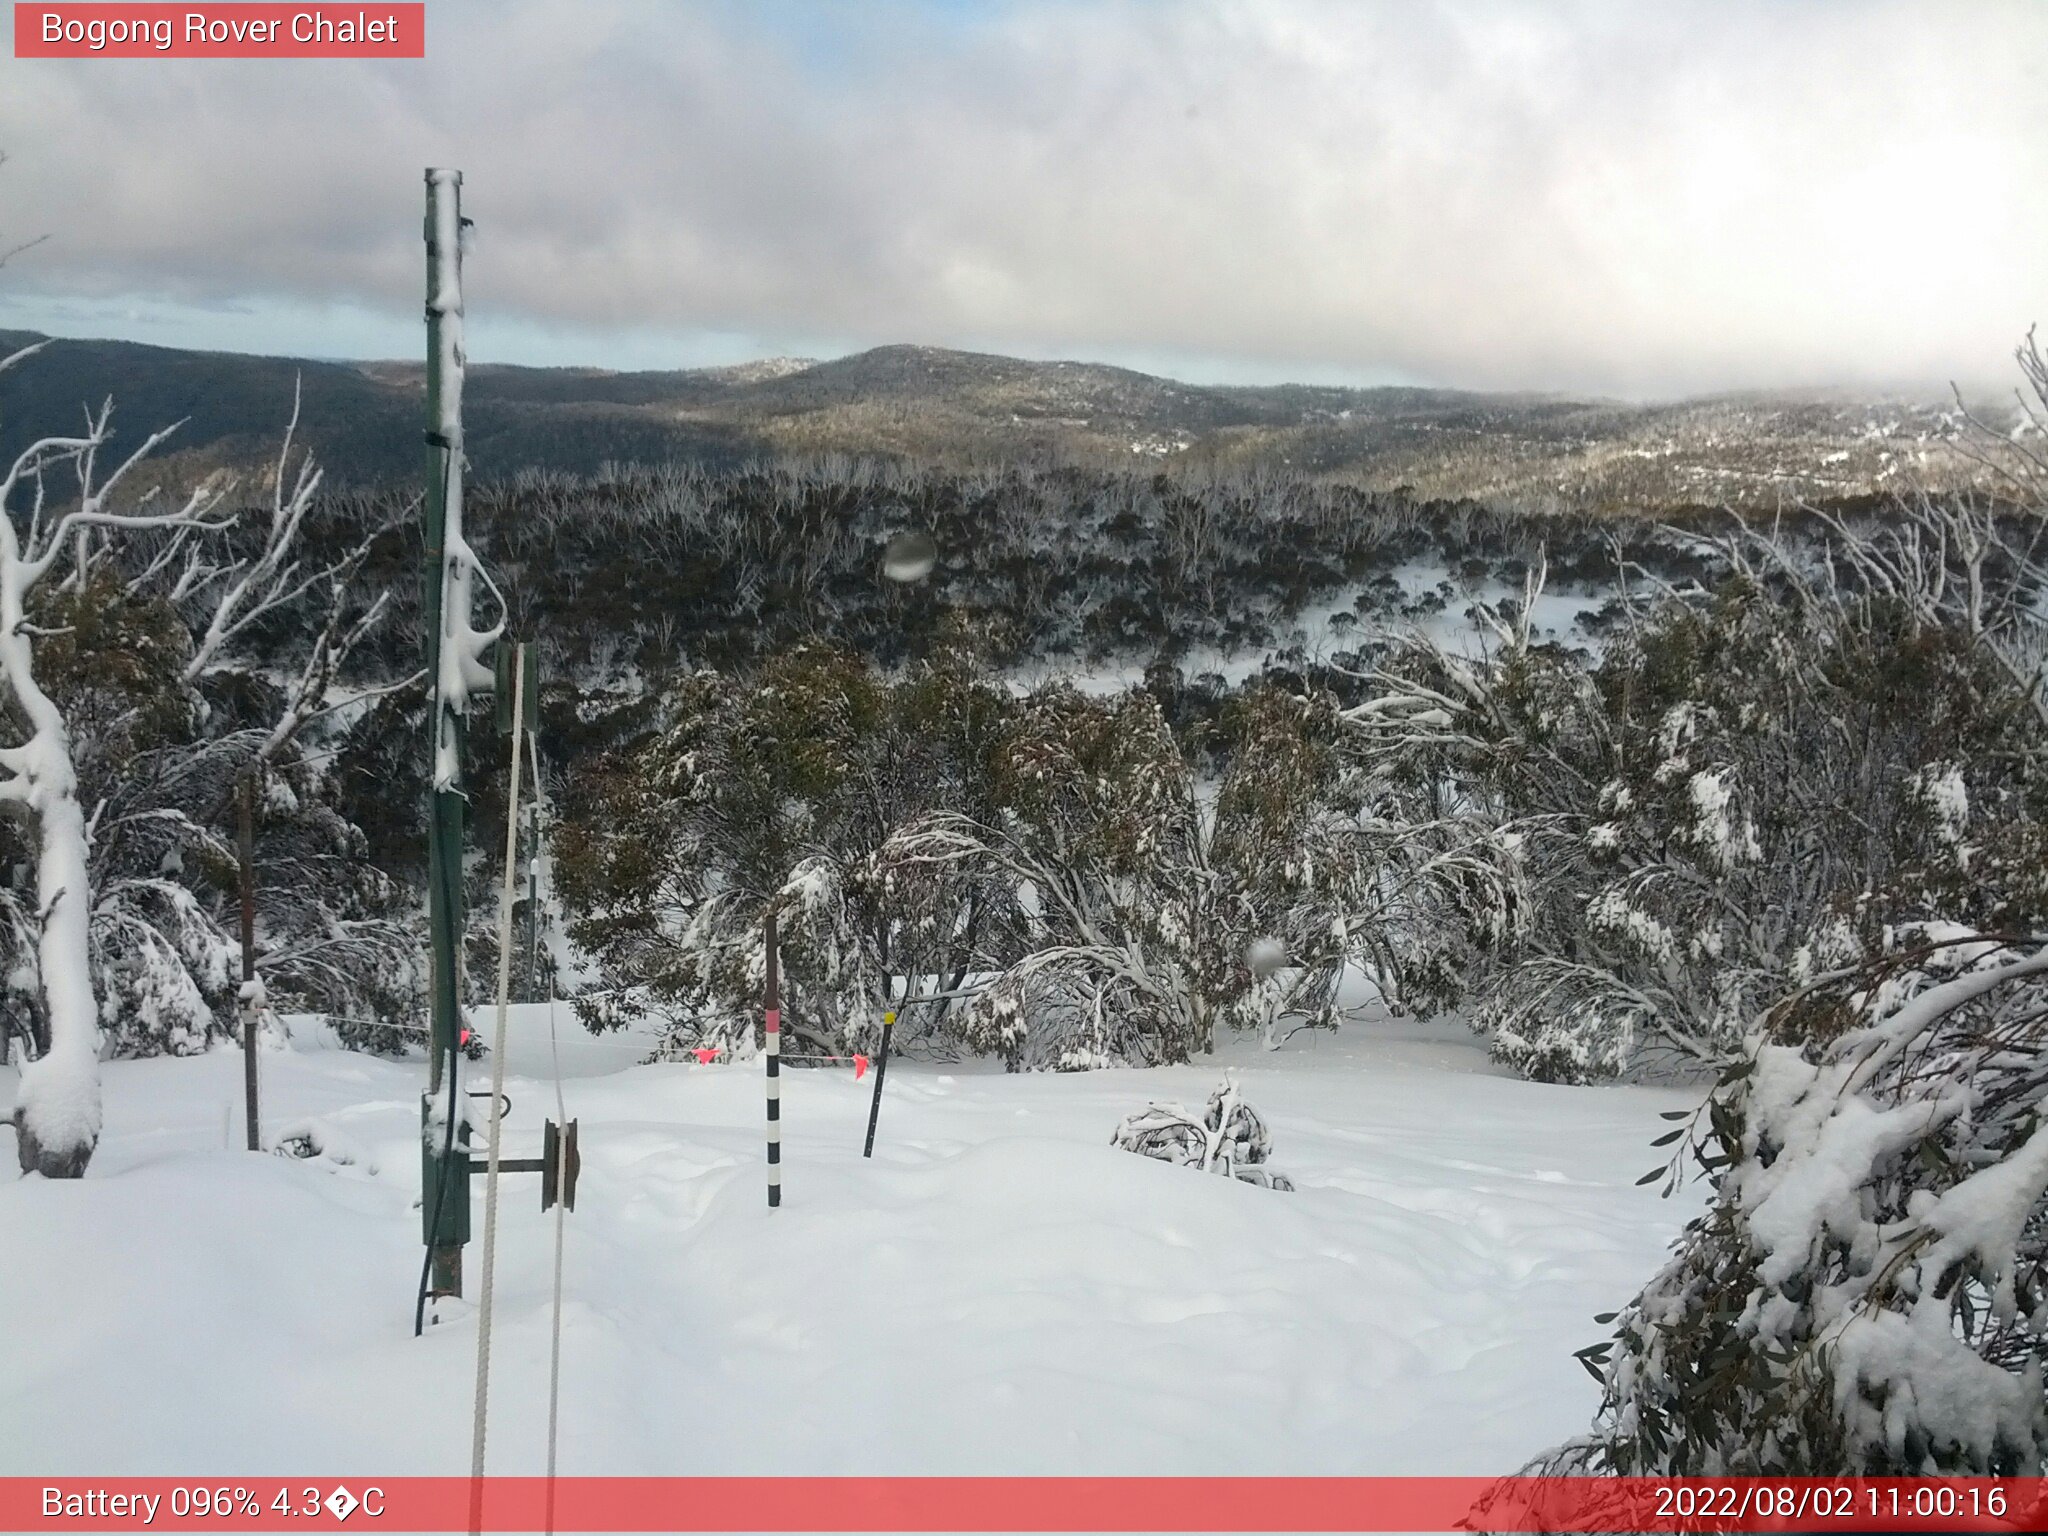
(1632, 198)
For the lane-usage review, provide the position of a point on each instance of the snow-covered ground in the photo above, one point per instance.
(998, 1291)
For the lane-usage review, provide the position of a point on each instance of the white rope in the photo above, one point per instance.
(561, 1176)
(483, 1326)
(561, 1210)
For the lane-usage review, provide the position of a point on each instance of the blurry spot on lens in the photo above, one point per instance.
(910, 557)
(1265, 956)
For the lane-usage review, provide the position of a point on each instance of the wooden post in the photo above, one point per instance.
(774, 1056)
(245, 847)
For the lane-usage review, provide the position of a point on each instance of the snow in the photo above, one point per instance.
(1948, 802)
(1726, 838)
(1314, 634)
(1894, 1372)
(999, 1290)
(1985, 1214)
(1830, 1143)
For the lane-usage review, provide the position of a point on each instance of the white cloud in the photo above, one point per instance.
(1629, 197)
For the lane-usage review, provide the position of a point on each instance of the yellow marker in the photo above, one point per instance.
(889, 1017)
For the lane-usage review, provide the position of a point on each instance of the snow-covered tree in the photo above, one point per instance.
(1865, 1291)
(183, 650)
(770, 789)
(1868, 1289)
(1749, 781)
(1097, 837)
(57, 1112)
(1145, 897)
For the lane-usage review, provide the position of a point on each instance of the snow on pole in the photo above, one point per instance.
(455, 652)
(561, 1211)
(444, 1204)
(774, 1060)
(533, 895)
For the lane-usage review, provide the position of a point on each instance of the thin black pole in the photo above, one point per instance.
(245, 848)
(533, 901)
(774, 1052)
(881, 1071)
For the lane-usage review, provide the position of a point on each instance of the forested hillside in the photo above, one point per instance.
(922, 406)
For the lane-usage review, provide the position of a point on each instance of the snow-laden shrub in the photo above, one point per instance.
(165, 971)
(1229, 1138)
(180, 658)
(1830, 742)
(1094, 840)
(1562, 1025)
(319, 1138)
(773, 790)
(1868, 1291)
(824, 915)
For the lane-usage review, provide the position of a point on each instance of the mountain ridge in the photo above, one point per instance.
(923, 403)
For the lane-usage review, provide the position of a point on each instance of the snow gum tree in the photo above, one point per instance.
(1326, 859)
(1752, 785)
(1867, 1290)
(57, 1113)
(1755, 807)
(1051, 861)
(163, 970)
(153, 657)
(1144, 895)
(773, 789)
(1096, 837)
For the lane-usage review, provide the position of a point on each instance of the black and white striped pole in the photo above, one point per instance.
(774, 1058)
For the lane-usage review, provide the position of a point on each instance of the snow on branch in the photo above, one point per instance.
(271, 579)
(1866, 1289)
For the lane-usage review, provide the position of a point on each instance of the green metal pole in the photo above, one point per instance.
(444, 1203)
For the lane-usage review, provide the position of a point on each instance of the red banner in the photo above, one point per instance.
(221, 31)
(1025, 1504)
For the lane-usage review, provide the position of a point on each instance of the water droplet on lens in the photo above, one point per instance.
(1265, 956)
(910, 557)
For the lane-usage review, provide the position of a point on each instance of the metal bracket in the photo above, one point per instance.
(558, 1165)
(558, 1151)
(502, 663)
